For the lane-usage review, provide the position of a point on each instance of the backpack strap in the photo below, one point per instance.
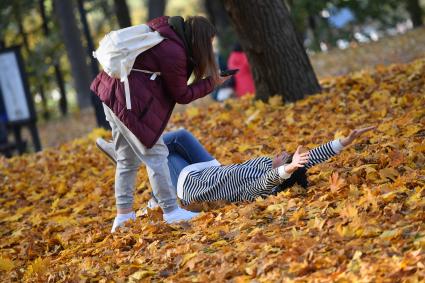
(124, 79)
(154, 74)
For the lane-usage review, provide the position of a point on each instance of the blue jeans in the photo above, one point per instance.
(184, 149)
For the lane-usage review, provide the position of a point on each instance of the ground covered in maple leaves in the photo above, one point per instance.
(362, 218)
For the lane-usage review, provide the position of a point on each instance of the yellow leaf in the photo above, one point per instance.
(191, 112)
(389, 197)
(419, 148)
(187, 257)
(242, 279)
(12, 218)
(36, 219)
(349, 212)
(298, 268)
(340, 134)
(37, 267)
(390, 234)
(388, 173)
(412, 129)
(6, 264)
(55, 203)
(275, 100)
(219, 243)
(368, 168)
(138, 275)
(243, 147)
(300, 213)
(224, 116)
(252, 117)
(316, 223)
(336, 183)
(275, 207)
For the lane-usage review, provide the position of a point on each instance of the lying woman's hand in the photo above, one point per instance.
(355, 134)
(299, 159)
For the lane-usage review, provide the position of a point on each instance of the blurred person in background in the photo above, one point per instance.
(244, 83)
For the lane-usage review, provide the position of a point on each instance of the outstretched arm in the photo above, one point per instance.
(301, 158)
(330, 149)
(321, 153)
(355, 134)
(267, 182)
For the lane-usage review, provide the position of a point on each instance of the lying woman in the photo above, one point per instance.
(198, 177)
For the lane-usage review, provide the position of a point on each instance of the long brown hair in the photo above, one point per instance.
(203, 54)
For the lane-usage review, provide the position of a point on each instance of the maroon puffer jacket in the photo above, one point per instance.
(153, 101)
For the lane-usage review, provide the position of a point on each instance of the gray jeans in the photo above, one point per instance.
(130, 154)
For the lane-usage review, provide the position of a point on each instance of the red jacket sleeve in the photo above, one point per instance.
(174, 78)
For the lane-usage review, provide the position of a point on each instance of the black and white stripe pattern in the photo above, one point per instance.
(242, 182)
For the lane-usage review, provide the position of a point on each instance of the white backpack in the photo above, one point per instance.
(118, 50)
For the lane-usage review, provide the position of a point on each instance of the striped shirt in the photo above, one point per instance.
(210, 181)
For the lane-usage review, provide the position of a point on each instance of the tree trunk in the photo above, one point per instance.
(415, 11)
(156, 8)
(72, 39)
(279, 63)
(46, 114)
(63, 103)
(123, 15)
(218, 16)
(97, 104)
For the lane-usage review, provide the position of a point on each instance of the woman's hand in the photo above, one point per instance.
(355, 134)
(298, 160)
(220, 80)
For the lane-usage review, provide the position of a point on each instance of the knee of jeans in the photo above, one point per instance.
(175, 136)
(184, 134)
(170, 136)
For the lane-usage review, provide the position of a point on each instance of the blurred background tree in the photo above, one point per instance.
(268, 37)
(122, 13)
(73, 40)
(156, 8)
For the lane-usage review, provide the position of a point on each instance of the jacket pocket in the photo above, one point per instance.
(142, 94)
(144, 109)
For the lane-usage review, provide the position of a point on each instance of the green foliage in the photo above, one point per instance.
(21, 24)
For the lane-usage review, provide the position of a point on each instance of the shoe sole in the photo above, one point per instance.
(107, 155)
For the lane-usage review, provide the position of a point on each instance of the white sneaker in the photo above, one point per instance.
(120, 219)
(179, 214)
(107, 148)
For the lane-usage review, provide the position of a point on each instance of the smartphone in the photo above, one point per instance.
(228, 72)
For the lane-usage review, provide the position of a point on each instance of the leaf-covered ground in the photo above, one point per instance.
(362, 218)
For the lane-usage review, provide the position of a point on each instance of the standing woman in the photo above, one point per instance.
(137, 133)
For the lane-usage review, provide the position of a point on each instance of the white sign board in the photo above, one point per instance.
(12, 88)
